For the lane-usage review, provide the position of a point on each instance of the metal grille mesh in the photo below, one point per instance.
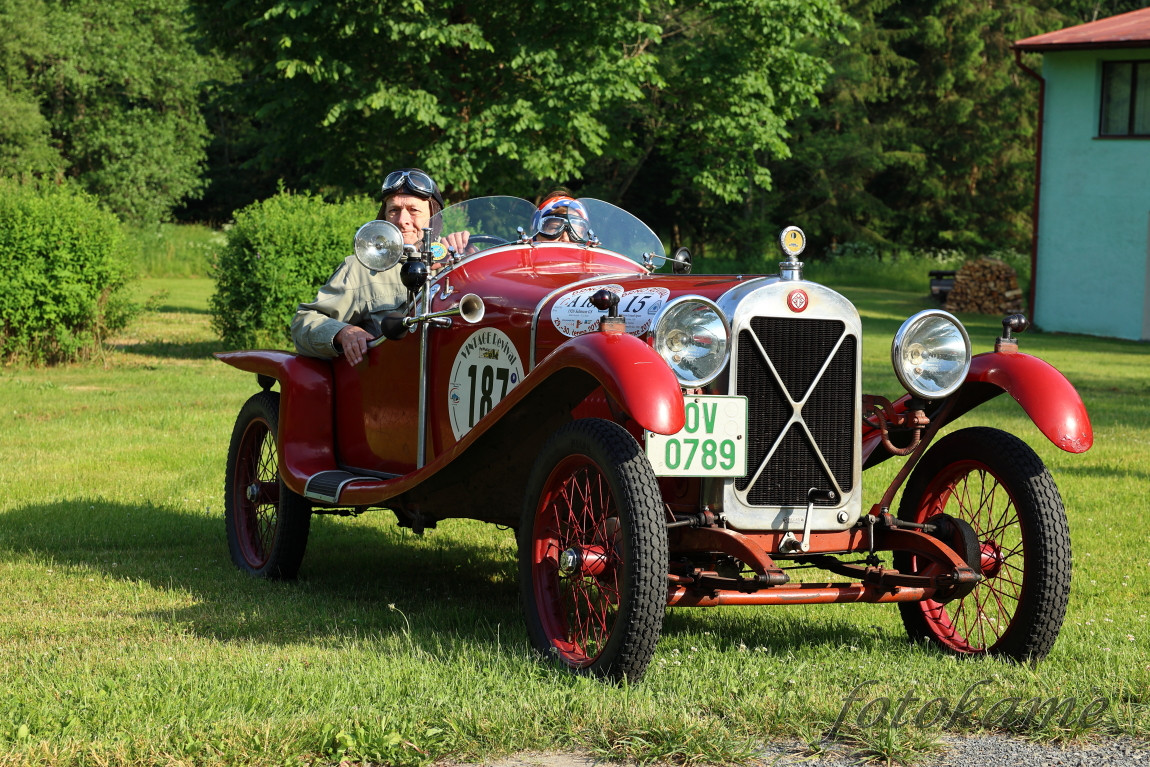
(797, 348)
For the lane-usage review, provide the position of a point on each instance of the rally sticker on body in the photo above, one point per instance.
(573, 314)
(486, 367)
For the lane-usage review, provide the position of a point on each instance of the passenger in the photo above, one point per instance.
(560, 218)
(354, 296)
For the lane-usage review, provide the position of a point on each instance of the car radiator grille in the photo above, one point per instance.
(797, 349)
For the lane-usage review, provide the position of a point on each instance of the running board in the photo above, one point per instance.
(326, 486)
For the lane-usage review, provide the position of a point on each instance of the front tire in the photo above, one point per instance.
(996, 483)
(267, 523)
(593, 552)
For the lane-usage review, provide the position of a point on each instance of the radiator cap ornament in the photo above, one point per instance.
(793, 242)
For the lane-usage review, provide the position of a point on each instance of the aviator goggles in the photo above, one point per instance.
(415, 180)
(551, 227)
(559, 214)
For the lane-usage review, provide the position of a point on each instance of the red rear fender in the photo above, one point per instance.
(306, 410)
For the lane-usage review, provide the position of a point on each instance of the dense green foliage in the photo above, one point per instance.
(899, 122)
(106, 91)
(62, 275)
(494, 97)
(925, 133)
(277, 255)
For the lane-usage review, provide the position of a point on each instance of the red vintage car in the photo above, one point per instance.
(659, 438)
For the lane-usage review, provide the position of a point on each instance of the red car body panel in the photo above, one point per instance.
(365, 418)
(306, 439)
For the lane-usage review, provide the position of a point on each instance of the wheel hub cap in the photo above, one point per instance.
(253, 492)
(569, 561)
(990, 558)
(584, 560)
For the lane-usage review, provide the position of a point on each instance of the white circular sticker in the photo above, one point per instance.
(573, 314)
(486, 367)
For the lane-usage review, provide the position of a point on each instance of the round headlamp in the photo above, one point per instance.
(692, 335)
(931, 354)
(379, 245)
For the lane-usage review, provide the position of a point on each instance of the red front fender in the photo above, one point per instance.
(1048, 398)
(629, 370)
(1045, 395)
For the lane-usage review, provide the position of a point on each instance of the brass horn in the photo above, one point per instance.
(470, 309)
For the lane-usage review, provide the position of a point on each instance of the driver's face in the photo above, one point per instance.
(410, 213)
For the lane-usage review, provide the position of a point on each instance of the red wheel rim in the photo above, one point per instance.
(256, 493)
(974, 623)
(575, 561)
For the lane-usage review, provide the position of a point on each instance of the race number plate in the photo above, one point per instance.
(713, 443)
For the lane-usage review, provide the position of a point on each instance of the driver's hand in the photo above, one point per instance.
(458, 241)
(353, 340)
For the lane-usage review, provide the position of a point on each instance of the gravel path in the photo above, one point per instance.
(981, 751)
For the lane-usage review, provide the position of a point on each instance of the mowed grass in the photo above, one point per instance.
(127, 636)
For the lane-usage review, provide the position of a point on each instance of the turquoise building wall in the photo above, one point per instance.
(1093, 266)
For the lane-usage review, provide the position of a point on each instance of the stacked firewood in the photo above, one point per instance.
(985, 286)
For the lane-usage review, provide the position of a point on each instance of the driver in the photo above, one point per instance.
(560, 218)
(354, 295)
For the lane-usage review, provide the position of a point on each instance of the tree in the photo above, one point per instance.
(25, 136)
(705, 140)
(506, 97)
(116, 83)
(925, 133)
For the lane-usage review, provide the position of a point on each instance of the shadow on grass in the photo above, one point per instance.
(356, 582)
(190, 350)
(167, 307)
(451, 587)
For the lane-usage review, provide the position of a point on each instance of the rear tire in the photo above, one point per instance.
(267, 523)
(996, 483)
(593, 552)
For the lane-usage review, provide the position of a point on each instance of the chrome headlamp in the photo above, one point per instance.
(379, 245)
(694, 338)
(931, 354)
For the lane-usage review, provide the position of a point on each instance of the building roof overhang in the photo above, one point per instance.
(1127, 30)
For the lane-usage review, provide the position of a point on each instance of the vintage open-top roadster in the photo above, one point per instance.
(664, 439)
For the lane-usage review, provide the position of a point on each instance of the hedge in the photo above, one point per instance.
(278, 254)
(62, 273)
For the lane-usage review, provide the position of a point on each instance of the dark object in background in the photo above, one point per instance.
(941, 283)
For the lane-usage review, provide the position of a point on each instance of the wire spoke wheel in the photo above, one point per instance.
(593, 552)
(267, 524)
(995, 483)
(576, 560)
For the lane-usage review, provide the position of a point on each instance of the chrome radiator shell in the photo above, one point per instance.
(801, 369)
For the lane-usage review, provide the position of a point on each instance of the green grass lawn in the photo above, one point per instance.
(127, 637)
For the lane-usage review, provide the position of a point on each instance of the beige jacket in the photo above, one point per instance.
(354, 295)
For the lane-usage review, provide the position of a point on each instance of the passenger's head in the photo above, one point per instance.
(560, 218)
(410, 199)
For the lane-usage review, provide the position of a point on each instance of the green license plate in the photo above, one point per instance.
(713, 443)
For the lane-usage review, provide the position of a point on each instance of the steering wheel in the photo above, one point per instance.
(486, 239)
